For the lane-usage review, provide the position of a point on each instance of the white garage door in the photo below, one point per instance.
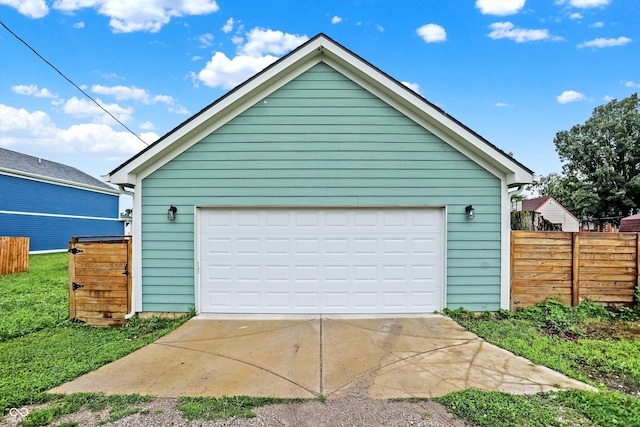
(321, 260)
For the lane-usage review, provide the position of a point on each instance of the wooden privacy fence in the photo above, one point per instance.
(574, 267)
(14, 255)
(100, 279)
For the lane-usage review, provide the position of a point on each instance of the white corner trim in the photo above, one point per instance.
(136, 279)
(505, 249)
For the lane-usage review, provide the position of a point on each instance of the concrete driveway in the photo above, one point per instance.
(308, 356)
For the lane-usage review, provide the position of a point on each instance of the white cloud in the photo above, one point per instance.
(602, 42)
(228, 26)
(179, 109)
(122, 93)
(631, 84)
(262, 48)
(432, 33)
(148, 126)
(100, 138)
(502, 104)
(227, 73)
(196, 58)
(206, 39)
(260, 42)
(499, 7)
(163, 98)
(16, 124)
(598, 24)
(588, 3)
(336, 19)
(30, 8)
(576, 15)
(111, 76)
(140, 15)
(380, 28)
(21, 127)
(83, 108)
(32, 90)
(506, 30)
(608, 98)
(570, 96)
(413, 86)
(78, 25)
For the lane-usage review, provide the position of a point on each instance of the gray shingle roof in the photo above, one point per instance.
(18, 162)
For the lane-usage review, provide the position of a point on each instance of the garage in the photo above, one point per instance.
(310, 260)
(321, 185)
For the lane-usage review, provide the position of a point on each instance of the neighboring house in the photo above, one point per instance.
(321, 185)
(50, 202)
(552, 211)
(630, 223)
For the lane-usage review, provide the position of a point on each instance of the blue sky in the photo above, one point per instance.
(515, 71)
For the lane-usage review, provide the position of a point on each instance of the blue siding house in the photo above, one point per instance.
(50, 202)
(321, 185)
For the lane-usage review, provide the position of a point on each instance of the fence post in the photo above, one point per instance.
(637, 289)
(130, 275)
(72, 278)
(511, 265)
(575, 276)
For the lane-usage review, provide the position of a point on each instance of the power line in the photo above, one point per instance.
(70, 81)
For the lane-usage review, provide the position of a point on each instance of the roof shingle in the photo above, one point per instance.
(12, 161)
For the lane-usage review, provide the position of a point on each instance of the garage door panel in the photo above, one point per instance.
(277, 219)
(317, 261)
(218, 300)
(425, 246)
(337, 219)
(249, 301)
(365, 301)
(277, 300)
(276, 246)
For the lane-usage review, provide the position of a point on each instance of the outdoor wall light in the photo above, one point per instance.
(471, 213)
(171, 213)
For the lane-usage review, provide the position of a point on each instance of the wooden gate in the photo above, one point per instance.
(100, 279)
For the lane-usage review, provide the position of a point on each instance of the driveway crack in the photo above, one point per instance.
(313, 392)
(408, 359)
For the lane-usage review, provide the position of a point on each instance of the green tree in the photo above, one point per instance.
(600, 162)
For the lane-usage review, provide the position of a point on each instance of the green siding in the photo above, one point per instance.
(321, 140)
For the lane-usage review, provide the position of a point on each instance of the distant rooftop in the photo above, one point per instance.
(531, 205)
(23, 163)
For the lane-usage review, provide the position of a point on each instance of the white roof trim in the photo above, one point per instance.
(287, 68)
(50, 180)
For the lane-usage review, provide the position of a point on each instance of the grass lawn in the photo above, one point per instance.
(587, 342)
(40, 348)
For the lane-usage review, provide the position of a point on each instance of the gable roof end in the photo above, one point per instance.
(316, 49)
(533, 205)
